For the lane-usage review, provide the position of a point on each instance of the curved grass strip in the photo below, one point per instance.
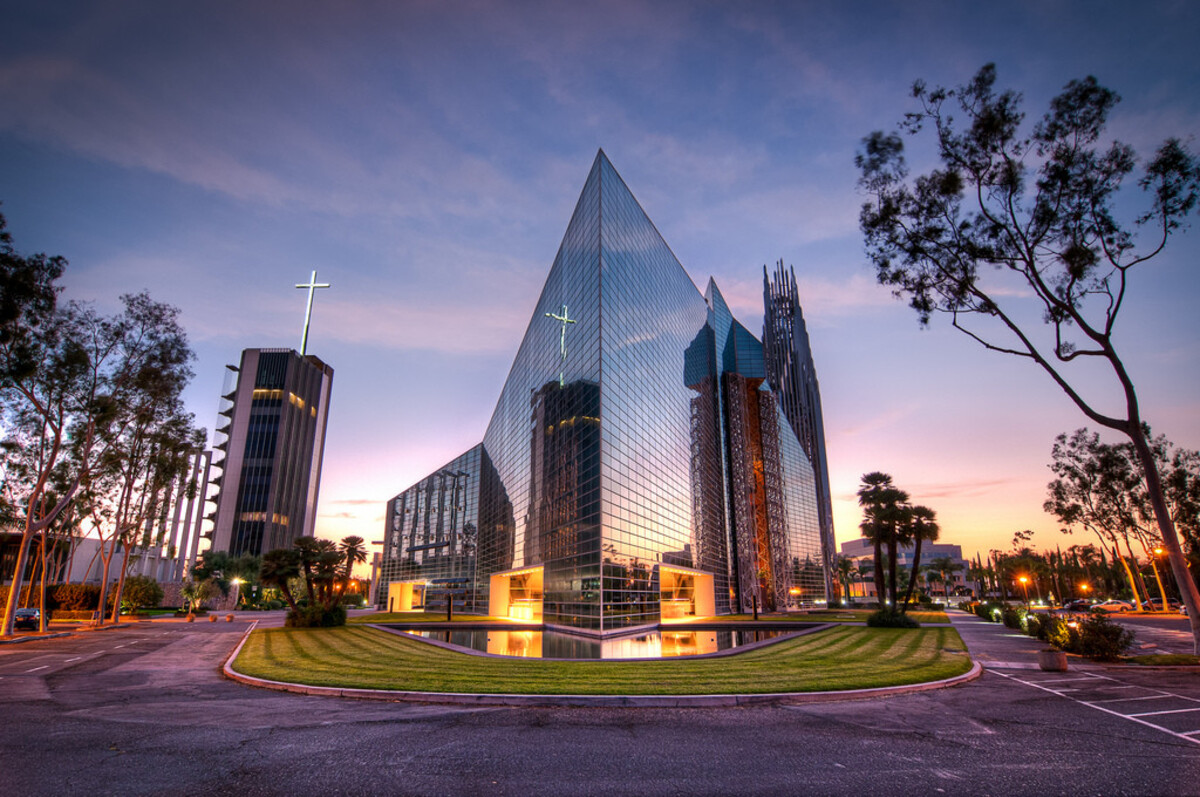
(848, 657)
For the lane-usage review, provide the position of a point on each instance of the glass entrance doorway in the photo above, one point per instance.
(406, 596)
(517, 595)
(685, 594)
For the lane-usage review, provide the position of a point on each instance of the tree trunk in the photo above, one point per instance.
(44, 620)
(912, 579)
(879, 574)
(1166, 527)
(1162, 593)
(892, 578)
(14, 589)
(116, 612)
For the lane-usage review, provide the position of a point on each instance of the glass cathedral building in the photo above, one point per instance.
(637, 469)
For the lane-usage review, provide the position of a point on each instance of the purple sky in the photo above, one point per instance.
(425, 159)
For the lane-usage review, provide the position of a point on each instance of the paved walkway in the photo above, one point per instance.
(999, 648)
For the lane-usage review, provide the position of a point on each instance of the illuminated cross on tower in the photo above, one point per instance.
(312, 286)
(562, 340)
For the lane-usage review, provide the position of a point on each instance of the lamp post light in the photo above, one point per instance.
(1024, 587)
(237, 591)
(1162, 593)
(1085, 587)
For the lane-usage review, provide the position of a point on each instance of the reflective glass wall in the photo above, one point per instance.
(610, 453)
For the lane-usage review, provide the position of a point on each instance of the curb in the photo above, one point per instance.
(17, 640)
(84, 629)
(592, 701)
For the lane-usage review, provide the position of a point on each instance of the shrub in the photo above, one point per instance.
(1011, 616)
(141, 592)
(1102, 639)
(79, 597)
(316, 617)
(890, 618)
(1033, 625)
(988, 611)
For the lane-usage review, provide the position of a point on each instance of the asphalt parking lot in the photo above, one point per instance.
(144, 710)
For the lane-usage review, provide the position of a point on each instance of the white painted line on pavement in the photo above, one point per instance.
(1187, 737)
(1128, 699)
(1065, 680)
(35, 669)
(77, 658)
(1154, 713)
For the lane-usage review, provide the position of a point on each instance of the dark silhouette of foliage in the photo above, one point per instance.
(1038, 210)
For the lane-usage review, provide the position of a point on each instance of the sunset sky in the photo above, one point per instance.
(425, 157)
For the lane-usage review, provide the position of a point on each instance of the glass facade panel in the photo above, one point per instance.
(635, 431)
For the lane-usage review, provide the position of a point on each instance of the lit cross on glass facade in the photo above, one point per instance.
(562, 340)
(312, 286)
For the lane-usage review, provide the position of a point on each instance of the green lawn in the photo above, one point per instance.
(1168, 659)
(840, 658)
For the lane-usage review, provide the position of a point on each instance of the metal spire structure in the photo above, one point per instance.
(312, 286)
(793, 376)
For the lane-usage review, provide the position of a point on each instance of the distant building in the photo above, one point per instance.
(277, 406)
(165, 550)
(638, 466)
(861, 550)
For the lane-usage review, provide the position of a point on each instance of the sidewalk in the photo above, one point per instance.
(999, 648)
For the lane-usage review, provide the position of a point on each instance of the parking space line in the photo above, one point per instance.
(35, 669)
(1155, 713)
(1130, 699)
(77, 658)
(1062, 681)
(1187, 736)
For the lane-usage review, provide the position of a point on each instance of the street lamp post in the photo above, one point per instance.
(1024, 587)
(1162, 594)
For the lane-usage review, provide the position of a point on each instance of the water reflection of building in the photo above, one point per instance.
(640, 466)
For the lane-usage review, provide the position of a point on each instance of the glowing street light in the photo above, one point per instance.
(1024, 587)
(1162, 593)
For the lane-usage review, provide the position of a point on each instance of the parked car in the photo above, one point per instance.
(1077, 606)
(1155, 605)
(1113, 605)
(29, 619)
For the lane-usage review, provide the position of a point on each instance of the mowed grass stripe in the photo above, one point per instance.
(840, 658)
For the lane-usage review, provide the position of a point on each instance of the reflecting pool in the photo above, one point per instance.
(555, 645)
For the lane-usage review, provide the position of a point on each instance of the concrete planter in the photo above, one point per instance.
(1052, 660)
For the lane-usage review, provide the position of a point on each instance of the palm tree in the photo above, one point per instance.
(309, 551)
(866, 568)
(354, 552)
(279, 567)
(327, 567)
(884, 511)
(922, 525)
(943, 565)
